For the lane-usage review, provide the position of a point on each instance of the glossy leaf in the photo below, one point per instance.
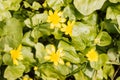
(103, 58)
(14, 72)
(87, 7)
(103, 39)
(69, 52)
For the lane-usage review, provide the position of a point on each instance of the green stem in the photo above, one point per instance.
(116, 73)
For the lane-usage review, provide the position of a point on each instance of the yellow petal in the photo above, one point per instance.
(15, 62)
(62, 20)
(19, 47)
(52, 26)
(55, 63)
(60, 14)
(59, 51)
(53, 48)
(56, 12)
(20, 57)
(58, 25)
(61, 61)
(47, 57)
(50, 12)
(48, 19)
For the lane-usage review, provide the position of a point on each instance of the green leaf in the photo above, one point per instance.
(69, 52)
(7, 48)
(63, 69)
(57, 33)
(49, 72)
(103, 39)
(68, 1)
(103, 58)
(7, 59)
(89, 72)
(118, 78)
(36, 20)
(14, 5)
(112, 54)
(1, 59)
(5, 15)
(83, 35)
(27, 39)
(91, 19)
(71, 13)
(26, 4)
(14, 72)
(114, 1)
(36, 5)
(99, 74)
(55, 4)
(87, 7)
(78, 43)
(118, 20)
(28, 59)
(110, 27)
(39, 31)
(80, 75)
(108, 70)
(113, 12)
(12, 29)
(40, 52)
(85, 31)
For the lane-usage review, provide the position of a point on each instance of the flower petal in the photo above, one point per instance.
(19, 47)
(61, 61)
(55, 63)
(62, 19)
(47, 57)
(50, 12)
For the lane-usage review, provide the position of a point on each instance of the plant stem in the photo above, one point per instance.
(116, 73)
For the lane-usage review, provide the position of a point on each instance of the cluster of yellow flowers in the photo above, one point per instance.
(56, 21)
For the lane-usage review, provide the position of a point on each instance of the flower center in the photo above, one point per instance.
(54, 57)
(55, 18)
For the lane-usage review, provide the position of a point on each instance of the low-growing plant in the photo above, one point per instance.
(59, 39)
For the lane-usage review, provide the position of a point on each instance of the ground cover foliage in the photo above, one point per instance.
(59, 39)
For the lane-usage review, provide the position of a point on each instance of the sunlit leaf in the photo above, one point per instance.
(14, 72)
(103, 39)
(69, 52)
(114, 1)
(103, 58)
(55, 4)
(27, 58)
(36, 5)
(40, 52)
(86, 7)
(113, 12)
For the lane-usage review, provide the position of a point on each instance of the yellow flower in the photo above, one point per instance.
(92, 55)
(55, 19)
(25, 78)
(30, 79)
(68, 64)
(54, 56)
(68, 28)
(16, 55)
(35, 68)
